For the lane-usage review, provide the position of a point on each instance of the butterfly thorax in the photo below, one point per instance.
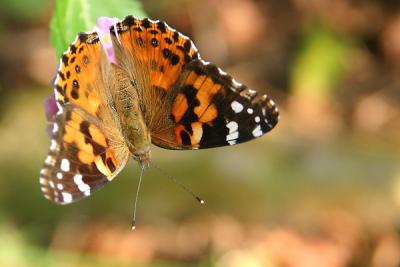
(138, 139)
(133, 125)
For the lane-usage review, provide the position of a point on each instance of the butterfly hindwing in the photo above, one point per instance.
(81, 159)
(210, 109)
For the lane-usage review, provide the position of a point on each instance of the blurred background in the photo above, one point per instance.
(322, 189)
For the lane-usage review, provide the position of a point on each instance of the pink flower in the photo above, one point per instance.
(50, 107)
(103, 30)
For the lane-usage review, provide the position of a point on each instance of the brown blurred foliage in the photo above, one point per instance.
(333, 68)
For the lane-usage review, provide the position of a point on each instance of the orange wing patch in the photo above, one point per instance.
(180, 106)
(92, 145)
(194, 103)
(202, 90)
(161, 48)
(206, 91)
(77, 72)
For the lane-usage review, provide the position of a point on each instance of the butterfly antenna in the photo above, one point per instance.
(173, 179)
(136, 198)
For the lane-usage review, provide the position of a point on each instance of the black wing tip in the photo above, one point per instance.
(270, 111)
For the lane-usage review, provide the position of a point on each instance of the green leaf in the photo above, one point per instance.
(74, 16)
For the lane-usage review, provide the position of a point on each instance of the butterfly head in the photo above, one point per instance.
(143, 157)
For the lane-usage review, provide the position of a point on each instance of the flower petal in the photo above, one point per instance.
(103, 30)
(50, 107)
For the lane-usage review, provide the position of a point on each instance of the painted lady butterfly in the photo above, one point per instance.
(140, 82)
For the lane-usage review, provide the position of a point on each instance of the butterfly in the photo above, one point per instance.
(136, 83)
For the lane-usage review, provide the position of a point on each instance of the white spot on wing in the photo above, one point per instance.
(193, 46)
(232, 126)
(257, 119)
(169, 27)
(65, 165)
(53, 145)
(50, 160)
(55, 127)
(80, 184)
(232, 136)
(78, 178)
(236, 106)
(59, 175)
(271, 103)
(231, 142)
(233, 133)
(67, 197)
(60, 186)
(257, 131)
(249, 93)
(235, 83)
(250, 110)
(42, 181)
(60, 108)
(222, 72)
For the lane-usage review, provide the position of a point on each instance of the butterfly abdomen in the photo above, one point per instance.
(133, 126)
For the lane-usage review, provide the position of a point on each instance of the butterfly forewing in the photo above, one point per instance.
(153, 54)
(161, 49)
